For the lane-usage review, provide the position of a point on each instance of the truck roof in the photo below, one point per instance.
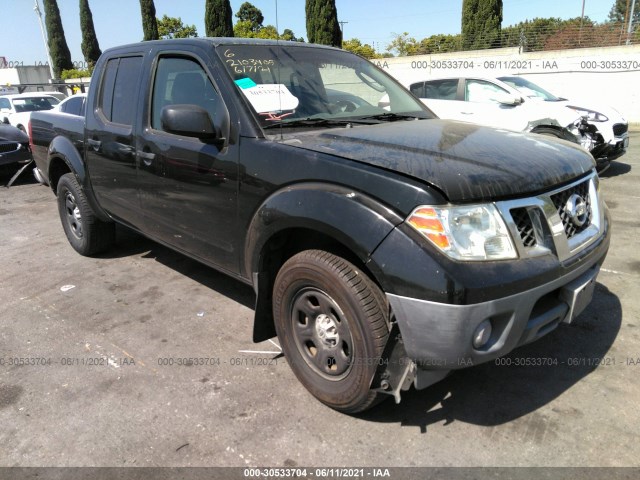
(220, 41)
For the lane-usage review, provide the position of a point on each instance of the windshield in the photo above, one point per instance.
(309, 87)
(529, 89)
(34, 104)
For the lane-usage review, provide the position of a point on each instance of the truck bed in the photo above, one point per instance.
(45, 126)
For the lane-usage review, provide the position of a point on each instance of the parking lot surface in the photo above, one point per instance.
(143, 357)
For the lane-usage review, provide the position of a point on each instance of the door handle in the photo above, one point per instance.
(147, 157)
(95, 144)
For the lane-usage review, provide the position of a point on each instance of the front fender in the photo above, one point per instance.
(354, 219)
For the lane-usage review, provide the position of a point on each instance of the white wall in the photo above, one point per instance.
(609, 75)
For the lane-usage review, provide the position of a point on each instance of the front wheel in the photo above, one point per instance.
(332, 322)
(86, 233)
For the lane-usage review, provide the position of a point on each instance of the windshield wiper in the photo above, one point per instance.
(310, 122)
(392, 117)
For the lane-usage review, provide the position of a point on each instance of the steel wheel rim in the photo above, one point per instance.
(74, 217)
(321, 333)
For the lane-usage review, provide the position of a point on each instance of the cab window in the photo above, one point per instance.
(181, 81)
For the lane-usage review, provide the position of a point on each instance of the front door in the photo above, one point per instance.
(188, 188)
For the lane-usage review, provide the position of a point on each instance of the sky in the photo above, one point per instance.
(375, 22)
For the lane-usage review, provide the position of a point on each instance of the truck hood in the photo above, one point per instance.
(467, 162)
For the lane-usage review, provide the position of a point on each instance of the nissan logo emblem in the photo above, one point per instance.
(576, 208)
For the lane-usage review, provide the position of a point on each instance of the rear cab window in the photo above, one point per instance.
(117, 100)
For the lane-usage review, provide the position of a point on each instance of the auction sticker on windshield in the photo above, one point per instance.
(268, 98)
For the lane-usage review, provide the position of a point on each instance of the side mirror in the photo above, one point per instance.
(191, 121)
(5, 120)
(508, 99)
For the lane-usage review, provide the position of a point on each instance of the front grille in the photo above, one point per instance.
(524, 225)
(620, 129)
(9, 147)
(560, 201)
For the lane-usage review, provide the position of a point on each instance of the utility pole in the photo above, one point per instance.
(581, 22)
(342, 28)
(630, 31)
(44, 38)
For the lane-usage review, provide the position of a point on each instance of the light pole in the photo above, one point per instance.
(630, 31)
(36, 9)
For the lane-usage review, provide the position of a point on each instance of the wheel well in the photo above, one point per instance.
(279, 248)
(57, 168)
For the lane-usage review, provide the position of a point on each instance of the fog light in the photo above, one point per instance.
(482, 334)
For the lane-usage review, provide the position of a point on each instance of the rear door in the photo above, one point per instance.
(109, 139)
(188, 188)
(444, 98)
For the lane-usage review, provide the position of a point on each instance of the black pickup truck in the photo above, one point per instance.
(386, 247)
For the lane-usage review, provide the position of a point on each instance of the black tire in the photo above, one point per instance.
(332, 322)
(86, 233)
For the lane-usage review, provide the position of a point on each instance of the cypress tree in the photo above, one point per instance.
(481, 24)
(149, 22)
(90, 47)
(322, 22)
(309, 9)
(217, 19)
(60, 55)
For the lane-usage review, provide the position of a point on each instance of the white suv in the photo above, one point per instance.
(16, 109)
(488, 101)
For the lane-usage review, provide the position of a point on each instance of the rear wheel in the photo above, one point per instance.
(86, 233)
(332, 322)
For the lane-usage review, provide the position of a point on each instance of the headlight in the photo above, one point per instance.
(591, 115)
(474, 232)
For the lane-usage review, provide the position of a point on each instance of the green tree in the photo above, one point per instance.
(481, 24)
(218, 18)
(58, 48)
(172, 27)
(149, 22)
(531, 35)
(619, 12)
(440, 44)
(251, 14)
(355, 45)
(268, 32)
(403, 45)
(90, 47)
(322, 22)
(288, 34)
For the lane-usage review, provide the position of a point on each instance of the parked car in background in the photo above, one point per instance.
(611, 125)
(14, 146)
(16, 109)
(487, 101)
(73, 105)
